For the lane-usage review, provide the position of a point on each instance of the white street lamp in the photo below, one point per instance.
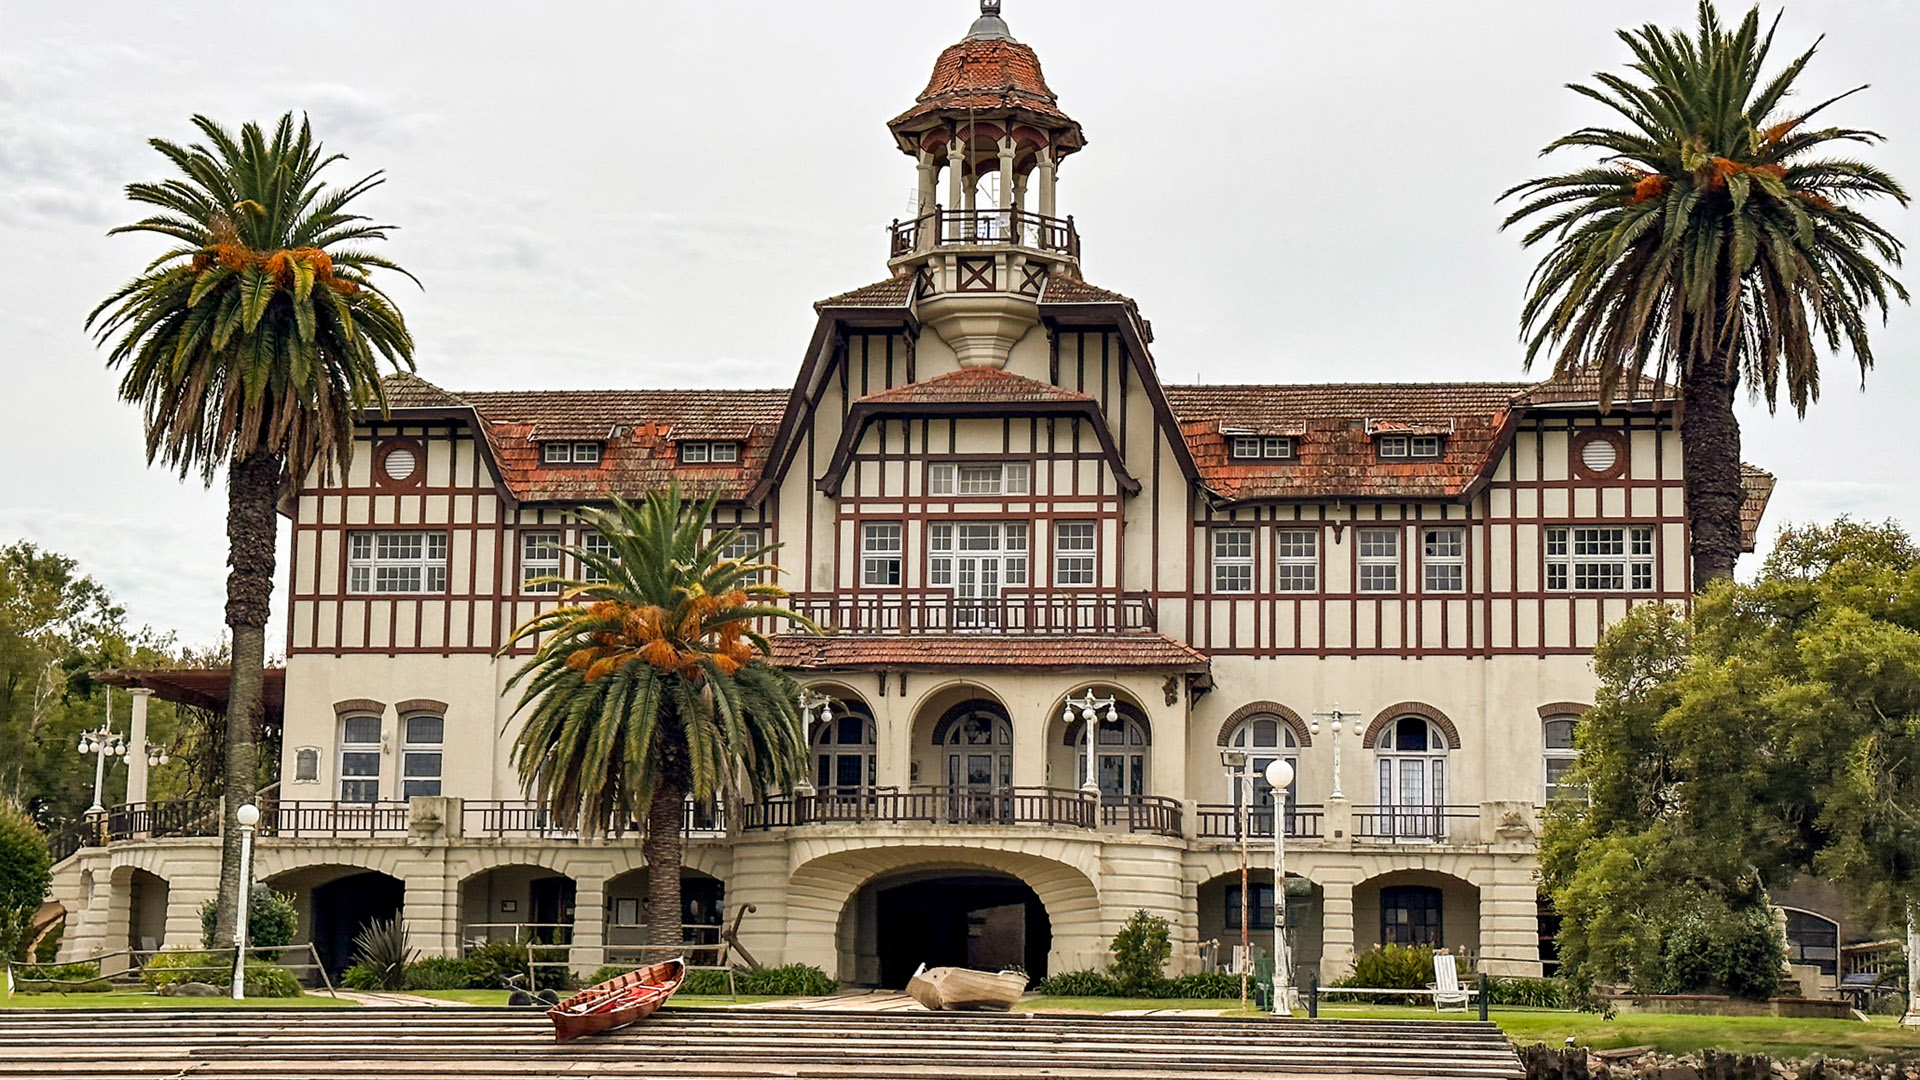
(1912, 1019)
(1235, 762)
(1280, 778)
(1335, 718)
(1089, 708)
(102, 744)
(248, 816)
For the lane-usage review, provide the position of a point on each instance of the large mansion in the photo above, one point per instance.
(1073, 612)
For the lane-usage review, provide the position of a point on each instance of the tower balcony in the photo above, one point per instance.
(1055, 238)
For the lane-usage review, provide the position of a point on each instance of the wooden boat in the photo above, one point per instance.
(619, 1001)
(963, 988)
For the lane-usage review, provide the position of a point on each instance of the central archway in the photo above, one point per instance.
(336, 903)
(944, 918)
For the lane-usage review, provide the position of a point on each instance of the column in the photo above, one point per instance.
(589, 950)
(927, 182)
(1047, 194)
(1170, 742)
(893, 743)
(137, 747)
(1336, 929)
(1510, 921)
(1006, 226)
(1912, 1019)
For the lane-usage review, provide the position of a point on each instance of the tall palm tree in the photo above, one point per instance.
(1713, 244)
(651, 684)
(252, 345)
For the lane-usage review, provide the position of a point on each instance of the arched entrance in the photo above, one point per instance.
(1219, 919)
(959, 917)
(146, 908)
(336, 903)
(517, 903)
(703, 910)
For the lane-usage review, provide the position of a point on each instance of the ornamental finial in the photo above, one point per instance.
(989, 7)
(989, 25)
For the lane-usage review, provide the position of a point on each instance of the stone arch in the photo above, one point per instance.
(1450, 880)
(1563, 708)
(1411, 708)
(359, 705)
(1269, 708)
(420, 705)
(959, 710)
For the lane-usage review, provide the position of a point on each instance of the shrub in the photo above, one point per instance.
(181, 965)
(494, 962)
(61, 978)
(272, 919)
(268, 980)
(792, 980)
(440, 973)
(1140, 953)
(1211, 984)
(1532, 993)
(1081, 984)
(1712, 948)
(26, 873)
(380, 956)
(698, 982)
(1390, 967)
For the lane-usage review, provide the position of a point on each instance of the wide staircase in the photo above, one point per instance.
(496, 1044)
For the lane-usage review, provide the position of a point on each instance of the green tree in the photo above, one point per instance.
(26, 873)
(651, 684)
(1140, 953)
(1772, 732)
(252, 345)
(1715, 243)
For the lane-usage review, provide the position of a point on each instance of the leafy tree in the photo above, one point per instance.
(272, 919)
(651, 684)
(251, 346)
(1715, 243)
(26, 873)
(1140, 953)
(1773, 732)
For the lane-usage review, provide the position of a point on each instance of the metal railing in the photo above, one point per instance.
(1014, 612)
(522, 818)
(1410, 823)
(179, 817)
(932, 806)
(1154, 814)
(986, 227)
(333, 820)
(1221, 821)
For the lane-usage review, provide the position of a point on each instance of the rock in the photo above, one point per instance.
(191, 989)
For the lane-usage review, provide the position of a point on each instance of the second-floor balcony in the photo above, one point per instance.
(991, 227)
(1012, 612)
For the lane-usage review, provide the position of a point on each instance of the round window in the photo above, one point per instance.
(400, 463)
(1599, 455)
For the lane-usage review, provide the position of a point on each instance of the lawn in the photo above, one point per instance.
(1776, 1036)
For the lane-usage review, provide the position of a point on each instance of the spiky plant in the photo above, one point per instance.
(650, 683)
(251, 345)
(1716, 242)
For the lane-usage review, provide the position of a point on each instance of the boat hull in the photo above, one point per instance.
(619, 1001)
(959, 989)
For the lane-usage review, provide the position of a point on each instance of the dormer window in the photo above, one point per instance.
(570, 453)
(1403, 447)
(1261, 447)
(709, 453)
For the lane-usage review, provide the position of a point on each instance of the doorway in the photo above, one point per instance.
(982, 921)
(345, 906)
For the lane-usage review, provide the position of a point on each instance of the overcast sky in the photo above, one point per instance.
(652, 194)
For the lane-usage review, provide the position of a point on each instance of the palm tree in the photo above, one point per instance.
(251, 345)
(651, 684)
(1713, 244)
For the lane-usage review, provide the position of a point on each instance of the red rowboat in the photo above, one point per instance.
(617, 1002)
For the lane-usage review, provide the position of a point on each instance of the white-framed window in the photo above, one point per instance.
(1379, 560)
(880, 553)
(1443, 558)
(744, 543)
(570, 453)
(1616, 558)
(397, 562)
(1562, 754)
(709, 453)
(1409, 446)
(1073, 552)
(1270, 447)
(1296, 556)
(977, 558)
(591, 541)
(539, 557)
(1264, 737)
(360, 758)
(422, 736)
(980, 478)
(1411, 755)
(1233, 560)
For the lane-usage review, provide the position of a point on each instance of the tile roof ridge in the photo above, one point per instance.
(1383, 385)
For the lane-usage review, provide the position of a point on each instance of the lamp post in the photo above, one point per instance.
(1912, 1019)
(1335, 720)
(248, 816)
(102, 744)
(1235, 762)
(1089, 708)
(1279, 778)
(814, 707)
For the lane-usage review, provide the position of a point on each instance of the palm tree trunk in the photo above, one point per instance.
(253, 487)
(1710, 454)
(662, 850)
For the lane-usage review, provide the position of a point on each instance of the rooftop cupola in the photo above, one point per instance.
(988, 134)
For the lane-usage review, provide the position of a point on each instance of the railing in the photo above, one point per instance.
(1141, 814)
(933, 806)
(1011, 613)
(1409, 823)
(991, 226)
(520, 818)
(180, 817)
(332, 820)
(1221, 821)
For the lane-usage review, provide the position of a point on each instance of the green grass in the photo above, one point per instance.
(130, 1000)
(1775, 1036)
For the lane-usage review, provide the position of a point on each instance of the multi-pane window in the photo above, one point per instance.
(539, 558)
(1073, 553)
(709, 453)
(744, 543)
(980, 478)
(1410, 915)
(880, 553)
(1600, 558)
(1259, 910)
(977, 558)
(1409, 446)
(1562, 755)
(360, 758)
(570, 453)
(1245, 447)
(424, 735)
(1379, 560)
(1296, 560)
(1443, 559)
(397, 562)
(593, 543)
(1233, 560)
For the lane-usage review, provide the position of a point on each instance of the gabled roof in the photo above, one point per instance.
(974, 385)
(835, 652)
(894, 292)
(1061, 289)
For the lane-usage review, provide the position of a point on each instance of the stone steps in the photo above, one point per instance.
(494, 1044)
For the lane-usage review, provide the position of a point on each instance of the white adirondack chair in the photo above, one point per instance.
(1447, 993)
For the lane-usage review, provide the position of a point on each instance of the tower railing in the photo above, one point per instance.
(991, 227)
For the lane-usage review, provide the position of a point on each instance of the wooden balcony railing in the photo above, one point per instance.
(1411, 823)
(1221, 821)
(520, 818)
(178, 817)
(988, 227)
(1141, 814)
(333, 820)
(932, 806)
(1012, 613)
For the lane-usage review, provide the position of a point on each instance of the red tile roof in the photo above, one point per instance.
(1759, 484)
(986, 74)
(893, 292)
(835, 652)
(1065, 290)
(975, 385)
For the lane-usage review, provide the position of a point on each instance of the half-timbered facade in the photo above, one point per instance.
(1011, 526)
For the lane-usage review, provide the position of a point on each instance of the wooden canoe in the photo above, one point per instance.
(963, 988)
(619, 1001)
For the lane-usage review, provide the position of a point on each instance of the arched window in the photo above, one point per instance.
(1264, 737)
(843, 750)
(360, 758)
(425, 734)
(1813, 939)
(1121, 753)
(1412, 754)
(977, 741)
(1562, 754)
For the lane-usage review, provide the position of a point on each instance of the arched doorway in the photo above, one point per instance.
(1122, 751)
(517, 903)
(843, 737)
(703, 910)
(146, 909)
(1219, 921)
(1417, 907)
(960, 917)
(974, 740)
(336, 903)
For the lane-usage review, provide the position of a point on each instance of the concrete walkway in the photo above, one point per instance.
(388, 1000)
